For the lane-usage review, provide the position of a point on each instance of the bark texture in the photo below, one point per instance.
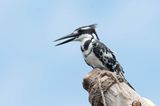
(105, 89)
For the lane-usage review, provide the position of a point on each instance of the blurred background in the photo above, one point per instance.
(33, 72)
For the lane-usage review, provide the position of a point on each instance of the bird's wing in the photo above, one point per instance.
(107, 57)
(104, 54)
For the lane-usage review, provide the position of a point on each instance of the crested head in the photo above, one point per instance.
(80, 34)
(87, 31)
(92, 26)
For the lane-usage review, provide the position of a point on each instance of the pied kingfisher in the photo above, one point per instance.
(95, 53)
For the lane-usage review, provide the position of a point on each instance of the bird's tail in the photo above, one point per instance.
(120, 72)
(129, 84)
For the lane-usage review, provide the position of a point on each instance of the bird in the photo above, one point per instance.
(96, 54)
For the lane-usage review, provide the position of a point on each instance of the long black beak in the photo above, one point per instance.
(72, 36)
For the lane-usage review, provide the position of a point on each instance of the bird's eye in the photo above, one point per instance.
(79, 31)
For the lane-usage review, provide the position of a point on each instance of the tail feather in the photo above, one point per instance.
(130, 85)
(120, 72)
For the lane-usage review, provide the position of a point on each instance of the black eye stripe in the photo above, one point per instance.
(80, 31)
(85, 31)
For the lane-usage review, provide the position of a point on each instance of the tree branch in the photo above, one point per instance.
(105, 89)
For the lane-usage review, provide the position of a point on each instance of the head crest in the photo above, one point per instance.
(92, 26)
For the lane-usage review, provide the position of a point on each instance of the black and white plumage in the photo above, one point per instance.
(98, 55)
(95, 53)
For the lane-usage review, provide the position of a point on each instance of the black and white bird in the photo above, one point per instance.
(95, 53)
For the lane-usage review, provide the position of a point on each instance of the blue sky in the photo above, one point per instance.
(35, 73)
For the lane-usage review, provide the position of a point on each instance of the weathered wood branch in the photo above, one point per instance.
(106, 90)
